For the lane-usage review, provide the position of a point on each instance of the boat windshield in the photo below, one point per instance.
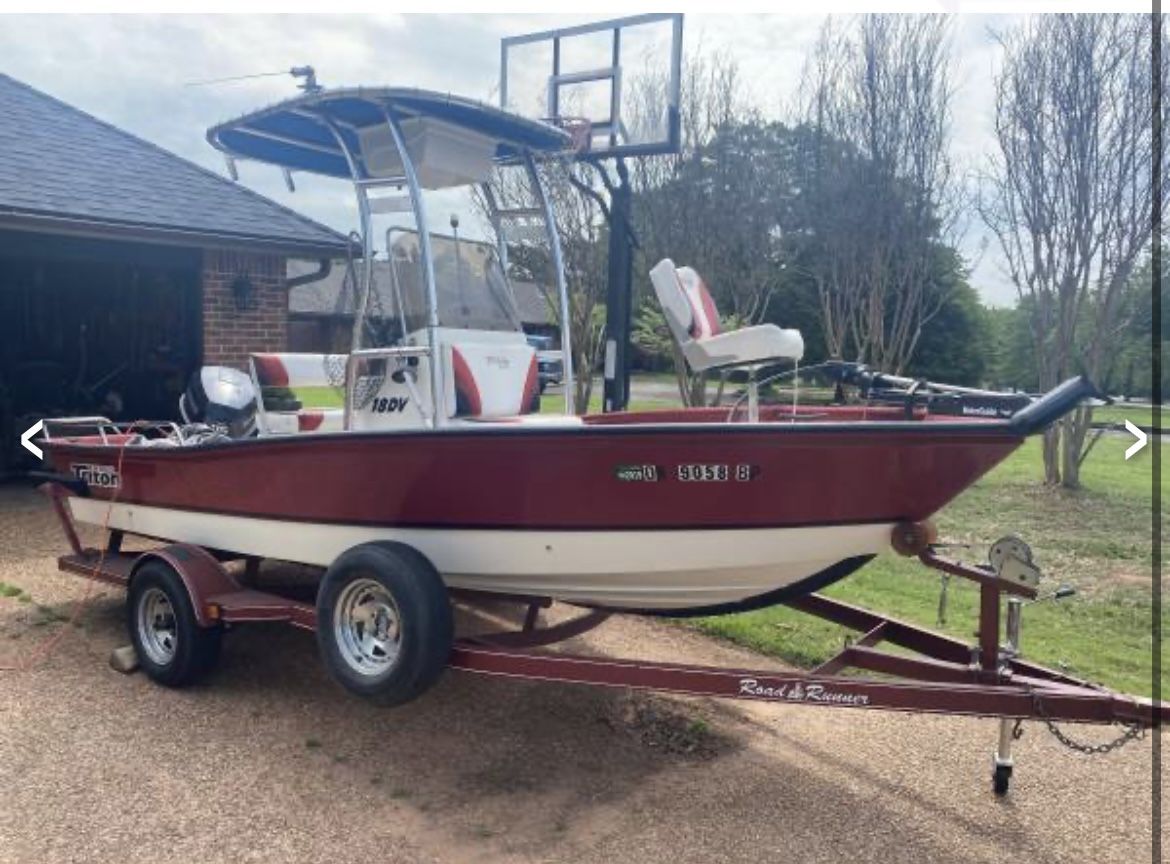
(472, 291)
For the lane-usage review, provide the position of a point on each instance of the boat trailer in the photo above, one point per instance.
(943, 675)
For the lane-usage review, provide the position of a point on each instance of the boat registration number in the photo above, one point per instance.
(707, 472)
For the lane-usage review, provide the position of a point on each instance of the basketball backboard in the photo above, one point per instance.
(615, 83)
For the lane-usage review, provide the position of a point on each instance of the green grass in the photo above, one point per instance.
(1142, 415)
(321, 397)
(554, 403)
(13, 591)
(1096, 539)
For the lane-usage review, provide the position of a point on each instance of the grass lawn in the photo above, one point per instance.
(554, 403)
(321, 397)
(1096, 540)
(1142, 415)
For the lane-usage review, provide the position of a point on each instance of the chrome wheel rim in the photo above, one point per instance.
(367, 627)
(157, 629)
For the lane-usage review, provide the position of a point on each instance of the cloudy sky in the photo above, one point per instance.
(133, 70)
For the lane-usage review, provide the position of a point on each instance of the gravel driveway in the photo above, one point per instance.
(270, 762)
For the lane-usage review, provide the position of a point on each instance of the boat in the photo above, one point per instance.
(438, 481)
(686, 511)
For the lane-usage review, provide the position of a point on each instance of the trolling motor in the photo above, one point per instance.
(914, 393)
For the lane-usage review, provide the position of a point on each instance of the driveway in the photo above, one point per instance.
(270, 762)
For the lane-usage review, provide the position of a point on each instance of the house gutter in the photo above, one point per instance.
(158, 234)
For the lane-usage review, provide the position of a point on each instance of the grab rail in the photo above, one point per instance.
(98, 423)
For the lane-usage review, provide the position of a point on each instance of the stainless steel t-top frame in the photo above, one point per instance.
(499, 218)
(297, 151)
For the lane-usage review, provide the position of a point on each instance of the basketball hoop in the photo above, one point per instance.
(580, 131)
(572, 78)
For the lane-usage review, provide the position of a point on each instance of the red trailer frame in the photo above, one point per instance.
(944, 676)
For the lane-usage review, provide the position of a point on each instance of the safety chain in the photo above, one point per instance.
(1132, 733)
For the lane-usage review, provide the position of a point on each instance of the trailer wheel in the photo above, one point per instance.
(384, 625)
(172, 648)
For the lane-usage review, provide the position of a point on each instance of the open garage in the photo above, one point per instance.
(124, 267)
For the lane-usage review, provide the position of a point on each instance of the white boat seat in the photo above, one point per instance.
(304, 420)
(693, 320)
(294, 371)
(489, 380)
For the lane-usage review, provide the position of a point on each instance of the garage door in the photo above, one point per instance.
(93, 327)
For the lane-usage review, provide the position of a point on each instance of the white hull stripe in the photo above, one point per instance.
(633, 569)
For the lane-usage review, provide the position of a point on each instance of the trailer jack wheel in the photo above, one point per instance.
(1001, 779)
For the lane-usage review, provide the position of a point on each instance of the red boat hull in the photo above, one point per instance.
(565, 479)
(662, 517)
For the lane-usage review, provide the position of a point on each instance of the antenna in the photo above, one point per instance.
(309, 85)
(307, 73)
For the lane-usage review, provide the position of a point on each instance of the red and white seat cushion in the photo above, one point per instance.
(704, 315)
(489, 380)
(293, 371)
(694, 322)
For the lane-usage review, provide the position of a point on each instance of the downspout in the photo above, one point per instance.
(324, 267)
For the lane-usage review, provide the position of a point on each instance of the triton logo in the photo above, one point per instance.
(98, 476)
(817, 693)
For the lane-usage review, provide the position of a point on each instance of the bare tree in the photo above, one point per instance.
(581, 225)
(878, 104)
(1069, 193)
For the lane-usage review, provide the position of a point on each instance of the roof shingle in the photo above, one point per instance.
(59, 163)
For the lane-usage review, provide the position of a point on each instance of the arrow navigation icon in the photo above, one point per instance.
(38, 426)
(1142, 439)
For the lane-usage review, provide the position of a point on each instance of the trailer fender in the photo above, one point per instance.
(202, 575)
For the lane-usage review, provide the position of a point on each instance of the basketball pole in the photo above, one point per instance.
(619, 290)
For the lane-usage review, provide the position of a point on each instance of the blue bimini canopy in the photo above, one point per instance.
(344, 133)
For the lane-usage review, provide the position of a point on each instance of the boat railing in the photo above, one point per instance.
(102, 426)
(107, 430)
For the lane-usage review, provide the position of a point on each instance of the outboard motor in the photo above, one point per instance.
(222, 398)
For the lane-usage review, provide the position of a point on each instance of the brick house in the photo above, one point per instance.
(123, 267)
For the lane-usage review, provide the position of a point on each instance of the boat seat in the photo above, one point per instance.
(295, 371)
(489, 380)
(694, 323)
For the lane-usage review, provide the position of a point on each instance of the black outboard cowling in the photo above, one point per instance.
(222, 398)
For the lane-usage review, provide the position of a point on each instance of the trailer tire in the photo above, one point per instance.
(173, 650)
(384, 624)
